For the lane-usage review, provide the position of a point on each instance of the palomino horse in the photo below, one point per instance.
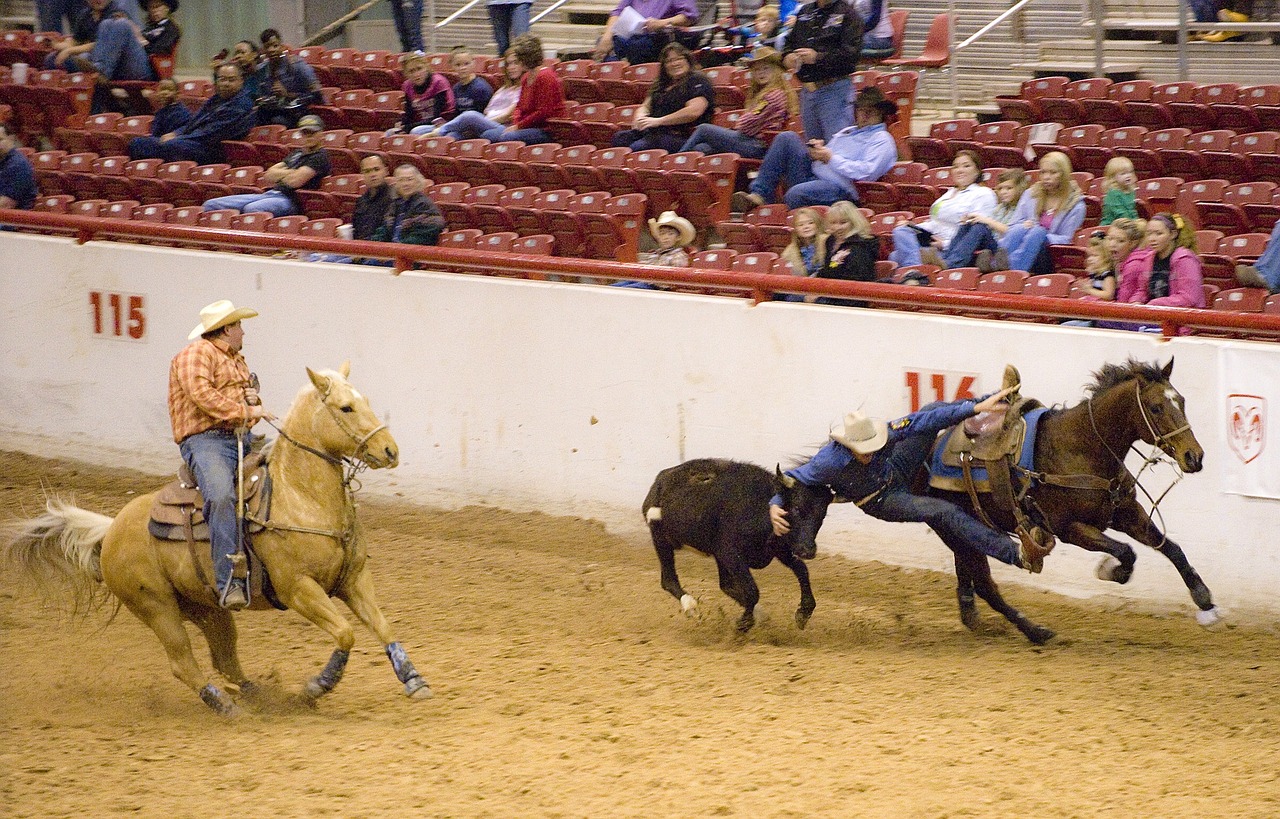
(1079, 485)
(312, 548)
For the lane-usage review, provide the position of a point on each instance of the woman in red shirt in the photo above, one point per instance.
(541, 97)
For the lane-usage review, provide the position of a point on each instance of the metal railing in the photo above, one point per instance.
(759, 287)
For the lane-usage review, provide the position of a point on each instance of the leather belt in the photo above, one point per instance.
(814, 86)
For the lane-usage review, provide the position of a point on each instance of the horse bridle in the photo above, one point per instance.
(355, 462)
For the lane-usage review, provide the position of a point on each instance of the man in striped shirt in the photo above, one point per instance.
(213, 399)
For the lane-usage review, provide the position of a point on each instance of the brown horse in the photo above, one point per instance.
(312, 548)
(1079, 485)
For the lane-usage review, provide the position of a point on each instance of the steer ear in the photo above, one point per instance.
(1168, 369)
(784, 480)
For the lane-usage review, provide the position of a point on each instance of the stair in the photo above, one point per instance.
(18, 14)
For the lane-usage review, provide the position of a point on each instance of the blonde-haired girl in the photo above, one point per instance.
(807, 253)
(851, 249)
(770, 103)
(1121, 184)
(1049, 213)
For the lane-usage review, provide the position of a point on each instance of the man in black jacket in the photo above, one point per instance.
(227, 115)
(823, 49)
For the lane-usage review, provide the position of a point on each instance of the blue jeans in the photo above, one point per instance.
(467, 125)
(906, 247)
(788, 158)
(1024, 246)
(1268, 263)
(966, 244)
(509, 21)
(648, 140)
(827, 110)
(272, 202)
(529, 136)
(716, 139)
(115, 55)
(51, 13)
(407, 15)
(174, 150)
(211, 456)
(639, 48)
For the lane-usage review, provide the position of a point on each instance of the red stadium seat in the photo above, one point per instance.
(1111, 111)
(460, 239)
(958, 278)
(713, 259)
(288, 225)
(1003, 281)
(1055, 285)
(539, 244)
(1069, 108)
(497, 242)
(936, 149)
(1024, 109)
(1240, 300)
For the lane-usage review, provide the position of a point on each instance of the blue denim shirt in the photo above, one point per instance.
(859, 154)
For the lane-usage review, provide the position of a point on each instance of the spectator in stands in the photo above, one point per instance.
(877, 29)
(977, 229)
(161, 34)
(302, 169)
(674, 234)
(17, 178)
(51, 13)
(541, 97)
(509, 19)
(471, 92)
(765, 31)
(1121, 184)
(246, 55)
(371, 208)
(428, 97)
(103, 41)
(287, 86)
(1209, 10)
(680, 99)
(851, 249)
(407, 15)
(1266, 271)
(822, 173)
(169, 114)
(644, 44)
(930, 241)
(227, 115)
(770, 103)
(823, 50)
(1107, 253)
(1166, 272)
(498, 113)
(411, 218)
(807, 252)
(1049, 213)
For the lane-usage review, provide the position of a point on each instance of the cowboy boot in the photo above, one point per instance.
(1034, 546)
(1011, 379)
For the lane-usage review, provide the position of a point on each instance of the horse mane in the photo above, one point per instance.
(1112, 374)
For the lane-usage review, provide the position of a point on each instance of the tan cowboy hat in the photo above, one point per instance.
(862, 434)
(219, 314)
(670, 219)
(765, 54)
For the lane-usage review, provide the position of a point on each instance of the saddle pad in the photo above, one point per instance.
(950, 477)
(176, 498)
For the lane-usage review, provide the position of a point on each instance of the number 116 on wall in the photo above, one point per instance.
(117, 315)
(927, 386)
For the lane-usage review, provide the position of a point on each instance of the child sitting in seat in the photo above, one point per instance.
(1121, 185)
(673, 234)
(169, 115)
(471, 92)
(428, 97)
(1098, 264)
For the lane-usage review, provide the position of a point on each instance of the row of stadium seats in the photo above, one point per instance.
(1099, 101)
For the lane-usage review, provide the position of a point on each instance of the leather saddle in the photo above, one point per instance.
(179, 504)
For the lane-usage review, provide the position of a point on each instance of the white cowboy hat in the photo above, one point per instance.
(219, 314)
(862, 434)
(681, 224)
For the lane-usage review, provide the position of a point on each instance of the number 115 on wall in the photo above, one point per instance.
(927, 386)
(118, 315)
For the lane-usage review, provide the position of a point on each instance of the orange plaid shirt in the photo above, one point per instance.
(206, 389)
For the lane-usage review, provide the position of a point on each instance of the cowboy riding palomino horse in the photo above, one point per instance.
(310, 546)
(1074, 484)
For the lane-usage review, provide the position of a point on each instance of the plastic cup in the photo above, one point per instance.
(19, 73)
(345, 231)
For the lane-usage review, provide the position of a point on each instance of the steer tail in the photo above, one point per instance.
(59, 551)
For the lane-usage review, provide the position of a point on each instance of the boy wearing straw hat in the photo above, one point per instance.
(872, 462)
(673, 234)
(213, 402)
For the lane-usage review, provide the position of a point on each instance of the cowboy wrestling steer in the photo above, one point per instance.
(721, 508)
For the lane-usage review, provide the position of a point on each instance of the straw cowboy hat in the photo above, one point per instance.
(765, 54)
(670, 219)
(217, 315)
(861, 433)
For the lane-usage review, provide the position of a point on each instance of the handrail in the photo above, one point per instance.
(956, 48)
(759, 287)
(557, 4)
(468, 6)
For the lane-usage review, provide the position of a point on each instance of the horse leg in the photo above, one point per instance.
(978, 570)
(737, 582)
(1117, 567)
(666, 550)
(361, 598)
(807, 603)
(965, 595)
(306, 597)
(1137, 524)
(164, 617)
(219, 629)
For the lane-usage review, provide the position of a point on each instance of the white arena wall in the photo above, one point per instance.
(568, 398)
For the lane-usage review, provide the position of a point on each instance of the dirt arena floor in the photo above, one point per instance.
(567, 683)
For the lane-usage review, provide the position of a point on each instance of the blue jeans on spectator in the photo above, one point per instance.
(639, 48)
(50, 13)
(906, 249)
(467, 125)
(827, 110)
(966, 244)
(408, 18)
(115, 55)
(174, 150)
(1025, 245)
(870, 42)
(273, 202)
(649, 139)
(1268, 263)
(509, 21)
(1205, 11)
(211, 456)
(788, 158)
(716, 139)
(529, 136)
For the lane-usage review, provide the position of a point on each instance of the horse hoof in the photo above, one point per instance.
(802, 618)
(1039, 635)
(689, 605)
(1208, 617)
(417, 689)
(746, 622)
(1108, 569)
(969, 617)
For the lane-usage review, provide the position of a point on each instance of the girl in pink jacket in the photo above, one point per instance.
(1167, 271)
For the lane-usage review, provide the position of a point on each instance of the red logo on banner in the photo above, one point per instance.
(1246, 425)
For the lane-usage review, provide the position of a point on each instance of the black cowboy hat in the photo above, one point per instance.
(875, 98)
(172, 4)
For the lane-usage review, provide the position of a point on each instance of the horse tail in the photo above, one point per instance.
(60, 550)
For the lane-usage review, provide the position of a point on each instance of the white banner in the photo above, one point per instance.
(1250, 395)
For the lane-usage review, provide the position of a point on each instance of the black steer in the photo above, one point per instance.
(721, 508)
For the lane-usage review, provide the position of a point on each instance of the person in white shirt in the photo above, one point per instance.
(928, 241)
